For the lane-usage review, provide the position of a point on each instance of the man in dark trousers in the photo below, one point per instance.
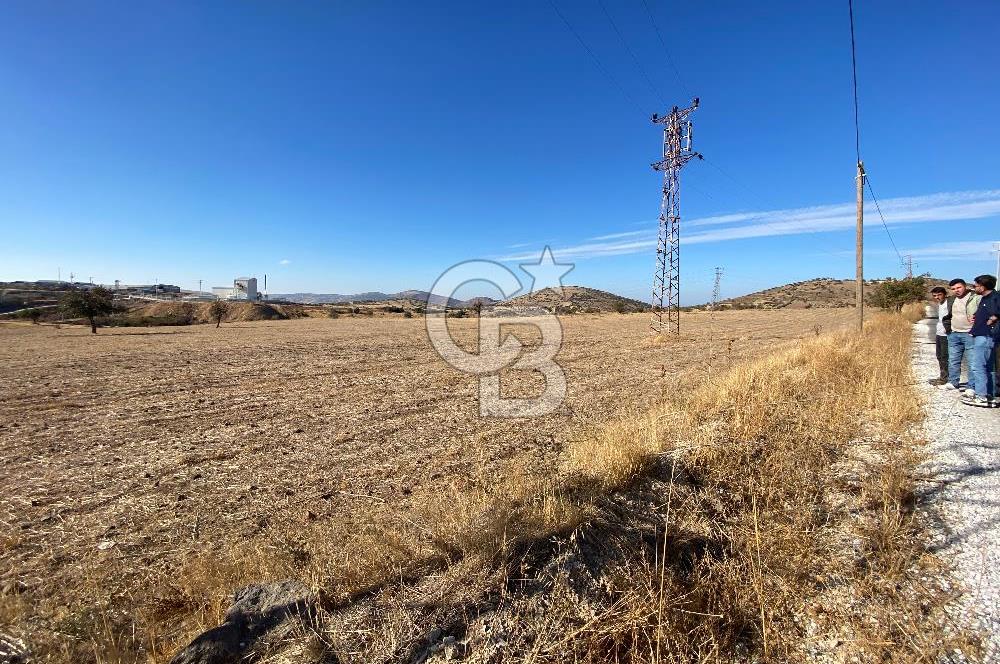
(985, 336)
(940, 295)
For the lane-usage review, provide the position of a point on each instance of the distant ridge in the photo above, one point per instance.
(820, 293)
(578, 299)
(417, 296)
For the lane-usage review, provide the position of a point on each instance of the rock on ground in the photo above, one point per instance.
(260, 615)
(962, 490)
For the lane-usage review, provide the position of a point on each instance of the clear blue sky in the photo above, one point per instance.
(349, 146)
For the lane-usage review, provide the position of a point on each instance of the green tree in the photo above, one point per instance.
(31, 314)
(218, 311)
(894, 293)
(90, 304)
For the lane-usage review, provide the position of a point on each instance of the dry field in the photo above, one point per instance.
(126, 453)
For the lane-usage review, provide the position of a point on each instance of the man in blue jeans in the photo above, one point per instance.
(962, 307)
(985, 335)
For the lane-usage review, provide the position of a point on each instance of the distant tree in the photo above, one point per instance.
(477, 306)
(31, 314)
(894, 293)
(620, 306)
(217, 311)
(90, 304)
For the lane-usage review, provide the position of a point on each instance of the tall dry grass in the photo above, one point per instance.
(766, 513)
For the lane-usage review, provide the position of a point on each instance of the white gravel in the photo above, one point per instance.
(963, 494)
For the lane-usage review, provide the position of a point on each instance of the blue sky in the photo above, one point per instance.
(350, 146)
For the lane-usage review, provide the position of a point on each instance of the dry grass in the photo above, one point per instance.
(767, 515)
(763, 511)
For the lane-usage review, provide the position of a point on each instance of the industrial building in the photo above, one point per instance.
(243, 288)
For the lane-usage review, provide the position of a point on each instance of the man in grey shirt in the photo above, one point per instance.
(963, 303)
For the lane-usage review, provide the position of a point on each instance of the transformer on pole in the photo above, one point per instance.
(677, 134)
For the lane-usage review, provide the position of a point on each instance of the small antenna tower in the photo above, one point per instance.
(677, 134)
(715, 288)
(908, 264)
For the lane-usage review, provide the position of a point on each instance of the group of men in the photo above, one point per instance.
(968, 328)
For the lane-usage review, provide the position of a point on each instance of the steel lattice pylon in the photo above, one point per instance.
(666, 280)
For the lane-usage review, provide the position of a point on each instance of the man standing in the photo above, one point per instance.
(940, 295)
(985, 334)
(961, 306)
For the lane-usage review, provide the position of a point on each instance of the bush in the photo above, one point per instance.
(894, 293)
(333, 313)
(31, 314)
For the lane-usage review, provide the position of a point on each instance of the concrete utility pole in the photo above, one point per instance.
(859, 250)
(677, 151)
(996, 248)
(199, 288)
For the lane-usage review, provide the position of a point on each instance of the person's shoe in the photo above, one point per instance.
(981, 402)
(969, 392)
(937, 381)
(947, 387)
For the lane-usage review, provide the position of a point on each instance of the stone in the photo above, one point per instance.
(257, 611)
(12, 651)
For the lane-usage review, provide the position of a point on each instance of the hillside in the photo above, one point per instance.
(407, 296)
(578, 299)
(822, 293)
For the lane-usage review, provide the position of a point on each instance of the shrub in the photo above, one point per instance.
(894, 293)
(33, 314)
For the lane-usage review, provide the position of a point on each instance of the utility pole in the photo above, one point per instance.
(996, 248)
(716, 288)
(859, 268)
(199, 288)
(677, 131)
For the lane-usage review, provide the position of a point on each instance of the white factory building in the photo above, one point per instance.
(243, 288)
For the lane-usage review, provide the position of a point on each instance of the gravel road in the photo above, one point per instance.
(963, 490)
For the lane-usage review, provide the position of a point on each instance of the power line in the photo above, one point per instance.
(656, 93)
(854, 80)
(868, 180)
(666, 50)
(596, 60)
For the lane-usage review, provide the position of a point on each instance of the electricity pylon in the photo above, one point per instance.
(716, 290)
(677, 151)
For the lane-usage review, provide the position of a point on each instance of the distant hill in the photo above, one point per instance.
(414, 296)
(821, 293)
(578, 299)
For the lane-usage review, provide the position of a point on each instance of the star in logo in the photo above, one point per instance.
(547, 273)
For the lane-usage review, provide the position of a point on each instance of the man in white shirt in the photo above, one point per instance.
(940, 295)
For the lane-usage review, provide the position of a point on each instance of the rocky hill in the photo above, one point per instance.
(823, 293)
(578, 299)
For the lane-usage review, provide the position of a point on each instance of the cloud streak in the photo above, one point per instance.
(948, 206)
